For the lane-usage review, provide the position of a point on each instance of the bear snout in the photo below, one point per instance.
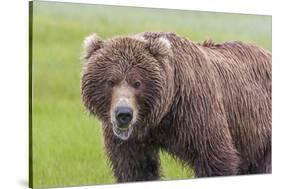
(124, 116)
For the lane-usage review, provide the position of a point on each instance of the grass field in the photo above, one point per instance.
(67, 142)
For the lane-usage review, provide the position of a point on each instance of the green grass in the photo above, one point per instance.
(67, 142)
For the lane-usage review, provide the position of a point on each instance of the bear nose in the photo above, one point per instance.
(124, 115)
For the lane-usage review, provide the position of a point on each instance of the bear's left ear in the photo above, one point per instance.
(160, 48)
(91, 44)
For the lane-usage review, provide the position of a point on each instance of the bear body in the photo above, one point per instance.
(208, 105)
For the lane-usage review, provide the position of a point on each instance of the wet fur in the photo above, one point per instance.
(209, 105)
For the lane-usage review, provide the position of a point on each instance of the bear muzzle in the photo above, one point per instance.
(122, 121)
(124, 116)
(123, 110)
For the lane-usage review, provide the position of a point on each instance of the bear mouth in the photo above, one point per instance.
(122, 133)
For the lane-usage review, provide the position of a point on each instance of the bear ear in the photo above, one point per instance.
(160, 48)
(91, 44)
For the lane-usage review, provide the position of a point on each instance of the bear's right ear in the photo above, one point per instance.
(91, 44)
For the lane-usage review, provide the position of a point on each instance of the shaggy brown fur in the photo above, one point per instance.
(209, 105)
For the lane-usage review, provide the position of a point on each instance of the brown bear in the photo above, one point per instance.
(208, 105)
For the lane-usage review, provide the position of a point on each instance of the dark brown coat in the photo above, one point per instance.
(209, 105)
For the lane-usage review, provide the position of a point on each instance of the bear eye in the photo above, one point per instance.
(137, 84)
(110, 83)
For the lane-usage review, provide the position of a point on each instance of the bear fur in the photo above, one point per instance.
(208, 105)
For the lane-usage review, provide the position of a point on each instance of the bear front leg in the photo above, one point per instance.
(215, 153)
(212, 148)
(212, 161)
(132, 160)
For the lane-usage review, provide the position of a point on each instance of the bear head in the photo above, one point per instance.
(128, 82)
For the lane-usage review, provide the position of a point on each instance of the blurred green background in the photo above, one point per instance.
(67, 142)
